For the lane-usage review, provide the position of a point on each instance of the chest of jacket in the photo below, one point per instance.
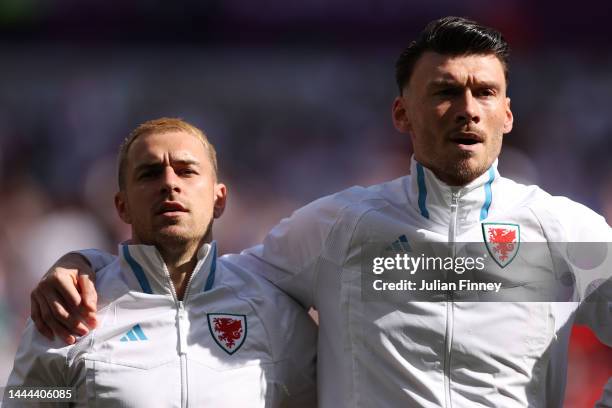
(151, 350)
(439, 337)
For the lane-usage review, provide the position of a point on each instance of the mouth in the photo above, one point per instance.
(170, 207)
(466, 138)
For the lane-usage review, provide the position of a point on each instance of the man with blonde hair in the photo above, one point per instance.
(178, 327)
(394, 349)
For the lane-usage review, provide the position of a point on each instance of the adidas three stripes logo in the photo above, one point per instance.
(400, 245)
(134, 334)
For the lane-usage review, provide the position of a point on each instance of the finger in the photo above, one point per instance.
(69, 319)
(89, 295)
(90, 318)
(49, 318)
(63, 281)
(88, 307)
(41, 326)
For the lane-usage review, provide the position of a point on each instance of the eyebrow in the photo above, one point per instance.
(438, 83)
(157, 164)
(443, 81)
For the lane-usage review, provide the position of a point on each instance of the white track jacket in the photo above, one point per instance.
(401, 353)
(233, 341)
(404, 353)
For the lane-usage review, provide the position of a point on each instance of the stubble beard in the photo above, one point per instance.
(185, 240)
(461, 172)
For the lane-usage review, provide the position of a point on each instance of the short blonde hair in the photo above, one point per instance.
(161, 125)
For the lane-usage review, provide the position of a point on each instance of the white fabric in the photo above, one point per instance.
(171, 358)
(430, 354)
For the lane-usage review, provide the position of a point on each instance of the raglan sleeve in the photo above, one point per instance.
(589, 255)
(39, 362)
(293, 338)
(586, 242)
(290, 255)
(581, 241)
(97, 258)
(592, 259)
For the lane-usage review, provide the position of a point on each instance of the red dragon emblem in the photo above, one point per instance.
(502, 241)
(229, 331)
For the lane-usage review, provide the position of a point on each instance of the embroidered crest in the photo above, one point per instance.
(228, 330)
(502, 241)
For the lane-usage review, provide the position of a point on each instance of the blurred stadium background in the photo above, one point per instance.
(295, 95)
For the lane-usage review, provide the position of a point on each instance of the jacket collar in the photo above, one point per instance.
(146, 265)
(432, 198)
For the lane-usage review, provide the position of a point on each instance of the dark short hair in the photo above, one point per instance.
(451, 36)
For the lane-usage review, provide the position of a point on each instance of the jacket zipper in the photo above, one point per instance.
(453, 221)
(181, 315)
(448, 335)
(181, 324)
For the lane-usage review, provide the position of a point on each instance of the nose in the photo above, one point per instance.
(467, 109)
(169, 181)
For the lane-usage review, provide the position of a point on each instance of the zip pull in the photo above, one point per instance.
(181, 317)
(454, 199)
(452, 228)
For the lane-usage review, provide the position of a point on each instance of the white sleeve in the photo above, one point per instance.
(584, 239)
(293, 341)
(38, 363)
(291, 252)
(589, 253)
(97, 258)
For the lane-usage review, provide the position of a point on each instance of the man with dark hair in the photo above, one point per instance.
(401, 349)
(451, 36)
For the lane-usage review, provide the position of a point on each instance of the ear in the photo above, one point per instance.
(122, 207)
(399, 115)
(509, 120)
(220, 199)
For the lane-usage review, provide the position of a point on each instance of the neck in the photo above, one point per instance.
(455, 174)
(181, 258)
(434, 198)
(180, 263)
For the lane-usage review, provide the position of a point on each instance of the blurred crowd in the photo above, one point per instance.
(290, 122)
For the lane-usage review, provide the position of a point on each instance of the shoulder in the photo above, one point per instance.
(357, 200)
(111, 283)
(388, 192)
(561, 218)
(329, 222)
(513, 194)
(251, 287)
(569, 221)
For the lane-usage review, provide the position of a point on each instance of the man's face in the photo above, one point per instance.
(456, 111)
(171, 194)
